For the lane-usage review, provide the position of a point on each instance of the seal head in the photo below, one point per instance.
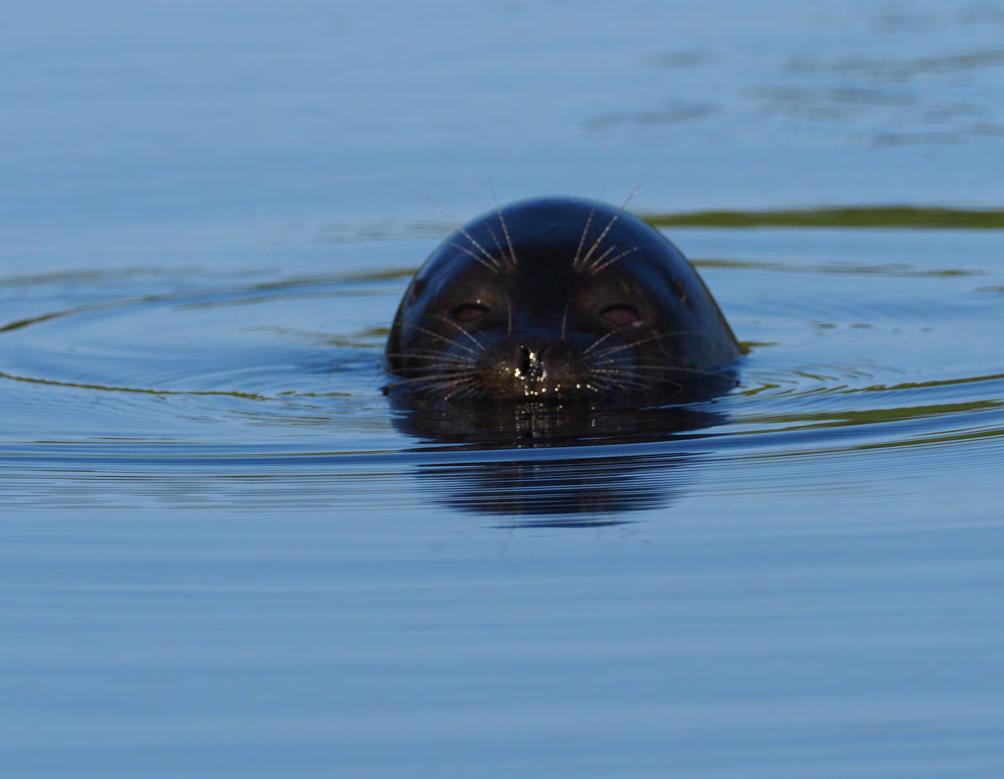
(557, 299)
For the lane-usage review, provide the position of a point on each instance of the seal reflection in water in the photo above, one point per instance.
(558, 299)
(556, 465)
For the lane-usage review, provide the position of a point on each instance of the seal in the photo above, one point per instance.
(557, 299)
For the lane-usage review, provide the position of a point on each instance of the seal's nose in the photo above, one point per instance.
(526, 359)
(528, 362)
(529, 366)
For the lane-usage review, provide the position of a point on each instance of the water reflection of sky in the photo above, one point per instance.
(224, 554)
(252, 123)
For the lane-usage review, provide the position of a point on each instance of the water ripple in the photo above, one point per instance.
(263, 391)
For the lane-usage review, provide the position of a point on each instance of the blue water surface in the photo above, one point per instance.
(224, 553)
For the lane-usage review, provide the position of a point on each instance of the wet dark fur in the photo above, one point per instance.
(562, 299)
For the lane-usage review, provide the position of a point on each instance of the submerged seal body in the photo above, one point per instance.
(557, 298)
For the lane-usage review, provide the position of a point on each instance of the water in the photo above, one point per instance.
(224, 553)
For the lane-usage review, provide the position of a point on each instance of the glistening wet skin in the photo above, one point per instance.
(561, 300)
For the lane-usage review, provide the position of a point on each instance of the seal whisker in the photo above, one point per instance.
(564, 317)
(637, 379)
(597, 267)
(494, 261)
(464, 330)
(443, 338)
(495, 240)
(609, 227)
(450, 365)
(626, 385)
(464, 385)
(439, 377)
(582, 240)
(612, 349)
(490, 265)
(605, 254)
(448, 385)
(432, 385)
(604, 384)
(599, 239)
(505, 227)
(468, 390)
(604, 337)
(426, 354)
(490, 257)
(427, 366)
(447, 373)
(437, 392)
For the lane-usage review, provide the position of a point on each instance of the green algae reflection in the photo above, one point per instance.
(931, 218)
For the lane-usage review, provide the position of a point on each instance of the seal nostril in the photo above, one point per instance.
(527, 364)
(525, 360)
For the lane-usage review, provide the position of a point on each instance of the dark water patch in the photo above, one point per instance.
(832, 103)
(951, 136)
(384, 230)
(683, 58)
(138, 390)
(893, 69)
(85, 277)
(983, 12)
(668, 115)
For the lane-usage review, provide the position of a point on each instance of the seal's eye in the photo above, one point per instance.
(469, 312)
(621, 314)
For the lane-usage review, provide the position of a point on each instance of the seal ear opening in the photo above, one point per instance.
(680, 290)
